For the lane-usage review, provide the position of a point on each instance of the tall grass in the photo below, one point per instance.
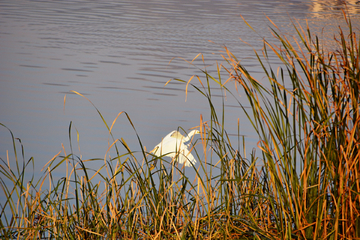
(308, 187)
(309, 125)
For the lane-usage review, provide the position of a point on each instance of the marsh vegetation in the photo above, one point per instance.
(303, 182)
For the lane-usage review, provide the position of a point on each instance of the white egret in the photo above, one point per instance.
(173, 145)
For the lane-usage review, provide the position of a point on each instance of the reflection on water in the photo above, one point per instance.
(117, 54)
(331, 8)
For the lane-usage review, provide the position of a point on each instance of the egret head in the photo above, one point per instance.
(196, 131)
(192, 133)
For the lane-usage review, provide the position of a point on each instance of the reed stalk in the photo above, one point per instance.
(300, 182)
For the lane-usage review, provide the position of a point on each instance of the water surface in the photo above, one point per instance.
(117, 54)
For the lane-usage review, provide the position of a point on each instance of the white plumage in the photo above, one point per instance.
(173, 145)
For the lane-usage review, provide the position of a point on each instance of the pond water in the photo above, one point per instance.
(117, 54)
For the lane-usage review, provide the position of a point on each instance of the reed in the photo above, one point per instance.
(308, 123)
(303, 182)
